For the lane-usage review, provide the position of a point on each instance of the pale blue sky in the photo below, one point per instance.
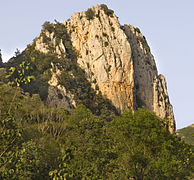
(168, 26)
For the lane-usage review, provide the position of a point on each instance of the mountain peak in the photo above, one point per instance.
(116, 61)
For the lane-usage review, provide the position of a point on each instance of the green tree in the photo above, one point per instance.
(107, 11)
(86, 151)
(26, 163)
(17, 53)
(1, 60)
(19, 75)
(90, 14)
(27, 151)
(149, 150)
(10, 133)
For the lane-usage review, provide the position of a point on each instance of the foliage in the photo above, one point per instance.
(26, 163)
(79, 145)
(107, 11)
(17, 52)
(47, 26)
(94, 159)
(3, 78)
(106, 44)
(134, 146)
(137, 30)
(60, 34)
(90, 14)
(22, 154)
(10, 133)
(187, 134)
(19, 75)
(40, 62)
(31, 65)
(150, 151)
(1, 61)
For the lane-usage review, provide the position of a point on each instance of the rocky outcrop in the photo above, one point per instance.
(43, 47)
(117, 61)
(161, 103)
(57, 94)
(105, 55)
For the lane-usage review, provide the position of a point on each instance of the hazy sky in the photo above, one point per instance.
(168, 26)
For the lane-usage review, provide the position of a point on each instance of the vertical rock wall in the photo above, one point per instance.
(150, 88)
(105, 55)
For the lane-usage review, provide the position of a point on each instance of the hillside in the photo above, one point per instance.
(187, 134)
(84, 100)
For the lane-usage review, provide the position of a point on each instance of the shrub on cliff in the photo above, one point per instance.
(107, 11)
(90, 14)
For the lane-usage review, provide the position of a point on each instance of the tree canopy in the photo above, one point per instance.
(38, 142)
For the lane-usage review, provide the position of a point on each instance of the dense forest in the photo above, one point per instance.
(40, 142)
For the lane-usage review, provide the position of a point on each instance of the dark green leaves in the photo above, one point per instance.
(90, 14)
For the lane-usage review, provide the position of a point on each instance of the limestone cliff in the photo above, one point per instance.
(117, 61)
(150, 88)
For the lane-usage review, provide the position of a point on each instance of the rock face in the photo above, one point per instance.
(57, 94)
(105, 55)
(117, 61)
(150, 88)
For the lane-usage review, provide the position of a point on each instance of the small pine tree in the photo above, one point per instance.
(17, 53)
(1, 61)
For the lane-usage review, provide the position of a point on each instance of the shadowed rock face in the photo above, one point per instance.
(115, 58)
(150, 88)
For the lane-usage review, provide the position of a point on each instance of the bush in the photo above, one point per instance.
(107, 11)
(97, 36)
(154, 152)
(137, 30)
(97, 87)
(106, 44)
(1, 61)
(90, 14)
(105, 35)
(48, 26)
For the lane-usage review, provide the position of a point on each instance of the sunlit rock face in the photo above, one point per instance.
(105, 55)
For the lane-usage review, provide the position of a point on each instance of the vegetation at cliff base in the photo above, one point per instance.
(38, 142)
